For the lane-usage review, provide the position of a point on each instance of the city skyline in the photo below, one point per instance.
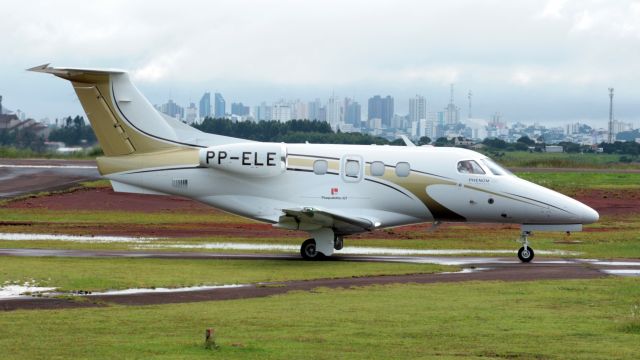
(545, 61)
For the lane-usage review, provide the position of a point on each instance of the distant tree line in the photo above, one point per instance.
(525, 144)
(74, 131)
(22, 138)
(294, 131)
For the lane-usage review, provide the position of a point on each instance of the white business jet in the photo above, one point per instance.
(329, 191)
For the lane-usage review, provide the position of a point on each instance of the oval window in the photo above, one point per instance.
(352, 168)
(320, 167)
(403, 169)
(377, 168)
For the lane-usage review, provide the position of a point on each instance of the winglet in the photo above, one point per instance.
(407, 141)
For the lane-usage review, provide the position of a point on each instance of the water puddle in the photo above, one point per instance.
(610, 263)
(622, 272)
(75, 238)
(10, 290)
(167, 290)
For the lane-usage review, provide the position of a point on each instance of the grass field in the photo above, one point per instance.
(563, 160)
(595, 319)
(569, 182)
(69, 274)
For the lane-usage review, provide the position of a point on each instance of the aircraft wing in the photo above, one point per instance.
(309, 218)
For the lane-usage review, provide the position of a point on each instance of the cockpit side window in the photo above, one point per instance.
(495, 168)
(470, 167)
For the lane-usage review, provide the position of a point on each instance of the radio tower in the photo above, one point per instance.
(469, 95)
(610, 115)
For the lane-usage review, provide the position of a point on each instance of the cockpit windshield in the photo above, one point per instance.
(470, 167)
(495, 168)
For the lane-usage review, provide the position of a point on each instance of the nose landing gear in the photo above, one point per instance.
(525, 254)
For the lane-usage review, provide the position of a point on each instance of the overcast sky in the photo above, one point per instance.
(547, 61)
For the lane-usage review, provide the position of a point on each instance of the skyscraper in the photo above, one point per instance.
(451, 112)
(281, 112)
(172, 109)
(381, 108)
(205, 106)
(239, 109)
(352, 112)
(220, 106)
(334, 112)
(313, 109)
(417, 109)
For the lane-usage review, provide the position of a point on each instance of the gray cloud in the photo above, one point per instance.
(554, 59)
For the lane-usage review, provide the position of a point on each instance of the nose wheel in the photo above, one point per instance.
(525, 254)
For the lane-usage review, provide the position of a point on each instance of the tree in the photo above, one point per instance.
(525, 140)
(425, 140)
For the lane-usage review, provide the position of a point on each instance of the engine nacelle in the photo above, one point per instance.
(251, 159)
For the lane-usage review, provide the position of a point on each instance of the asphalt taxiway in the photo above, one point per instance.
(474, 269)
(23, 176)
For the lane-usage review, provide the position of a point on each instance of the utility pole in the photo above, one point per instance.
(610, 115)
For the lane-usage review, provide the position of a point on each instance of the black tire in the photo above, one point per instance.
(338, 243)
(308, 250)
(526, 255)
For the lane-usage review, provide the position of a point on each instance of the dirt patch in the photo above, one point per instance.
(611, 202)
(105, 199)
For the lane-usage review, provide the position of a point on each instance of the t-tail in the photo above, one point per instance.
(131, 132)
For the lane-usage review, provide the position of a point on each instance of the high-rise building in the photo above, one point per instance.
(334, 112)
(172, 109)
(220, 106)
(313, 109)
(281, 112)
(205, 106)
(451, 112)
(417, 109)
(262, 112)
(191, 113)
(381, 108)
(239, 109)
(352, 112)
(299, 110)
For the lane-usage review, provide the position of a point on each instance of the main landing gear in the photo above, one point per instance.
(525, 254)
(310, 250)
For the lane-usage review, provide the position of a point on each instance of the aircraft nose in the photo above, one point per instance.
(588, 215)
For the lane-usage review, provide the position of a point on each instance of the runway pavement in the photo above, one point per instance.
(474, 269)
(23, 176)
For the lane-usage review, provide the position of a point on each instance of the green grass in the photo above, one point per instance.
(563, 160)
(569, 182)
(572, 319)
(69, 274)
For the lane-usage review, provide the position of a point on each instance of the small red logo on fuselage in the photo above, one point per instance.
(334, 191)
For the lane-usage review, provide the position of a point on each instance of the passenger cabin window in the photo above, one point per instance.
(495, 168)
(320, 167)
(403, 169)
(377, 168)
(352, 168)
(470, 167)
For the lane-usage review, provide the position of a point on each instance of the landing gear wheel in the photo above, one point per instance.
(525, 254)
(308, 250)
(338, 243)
